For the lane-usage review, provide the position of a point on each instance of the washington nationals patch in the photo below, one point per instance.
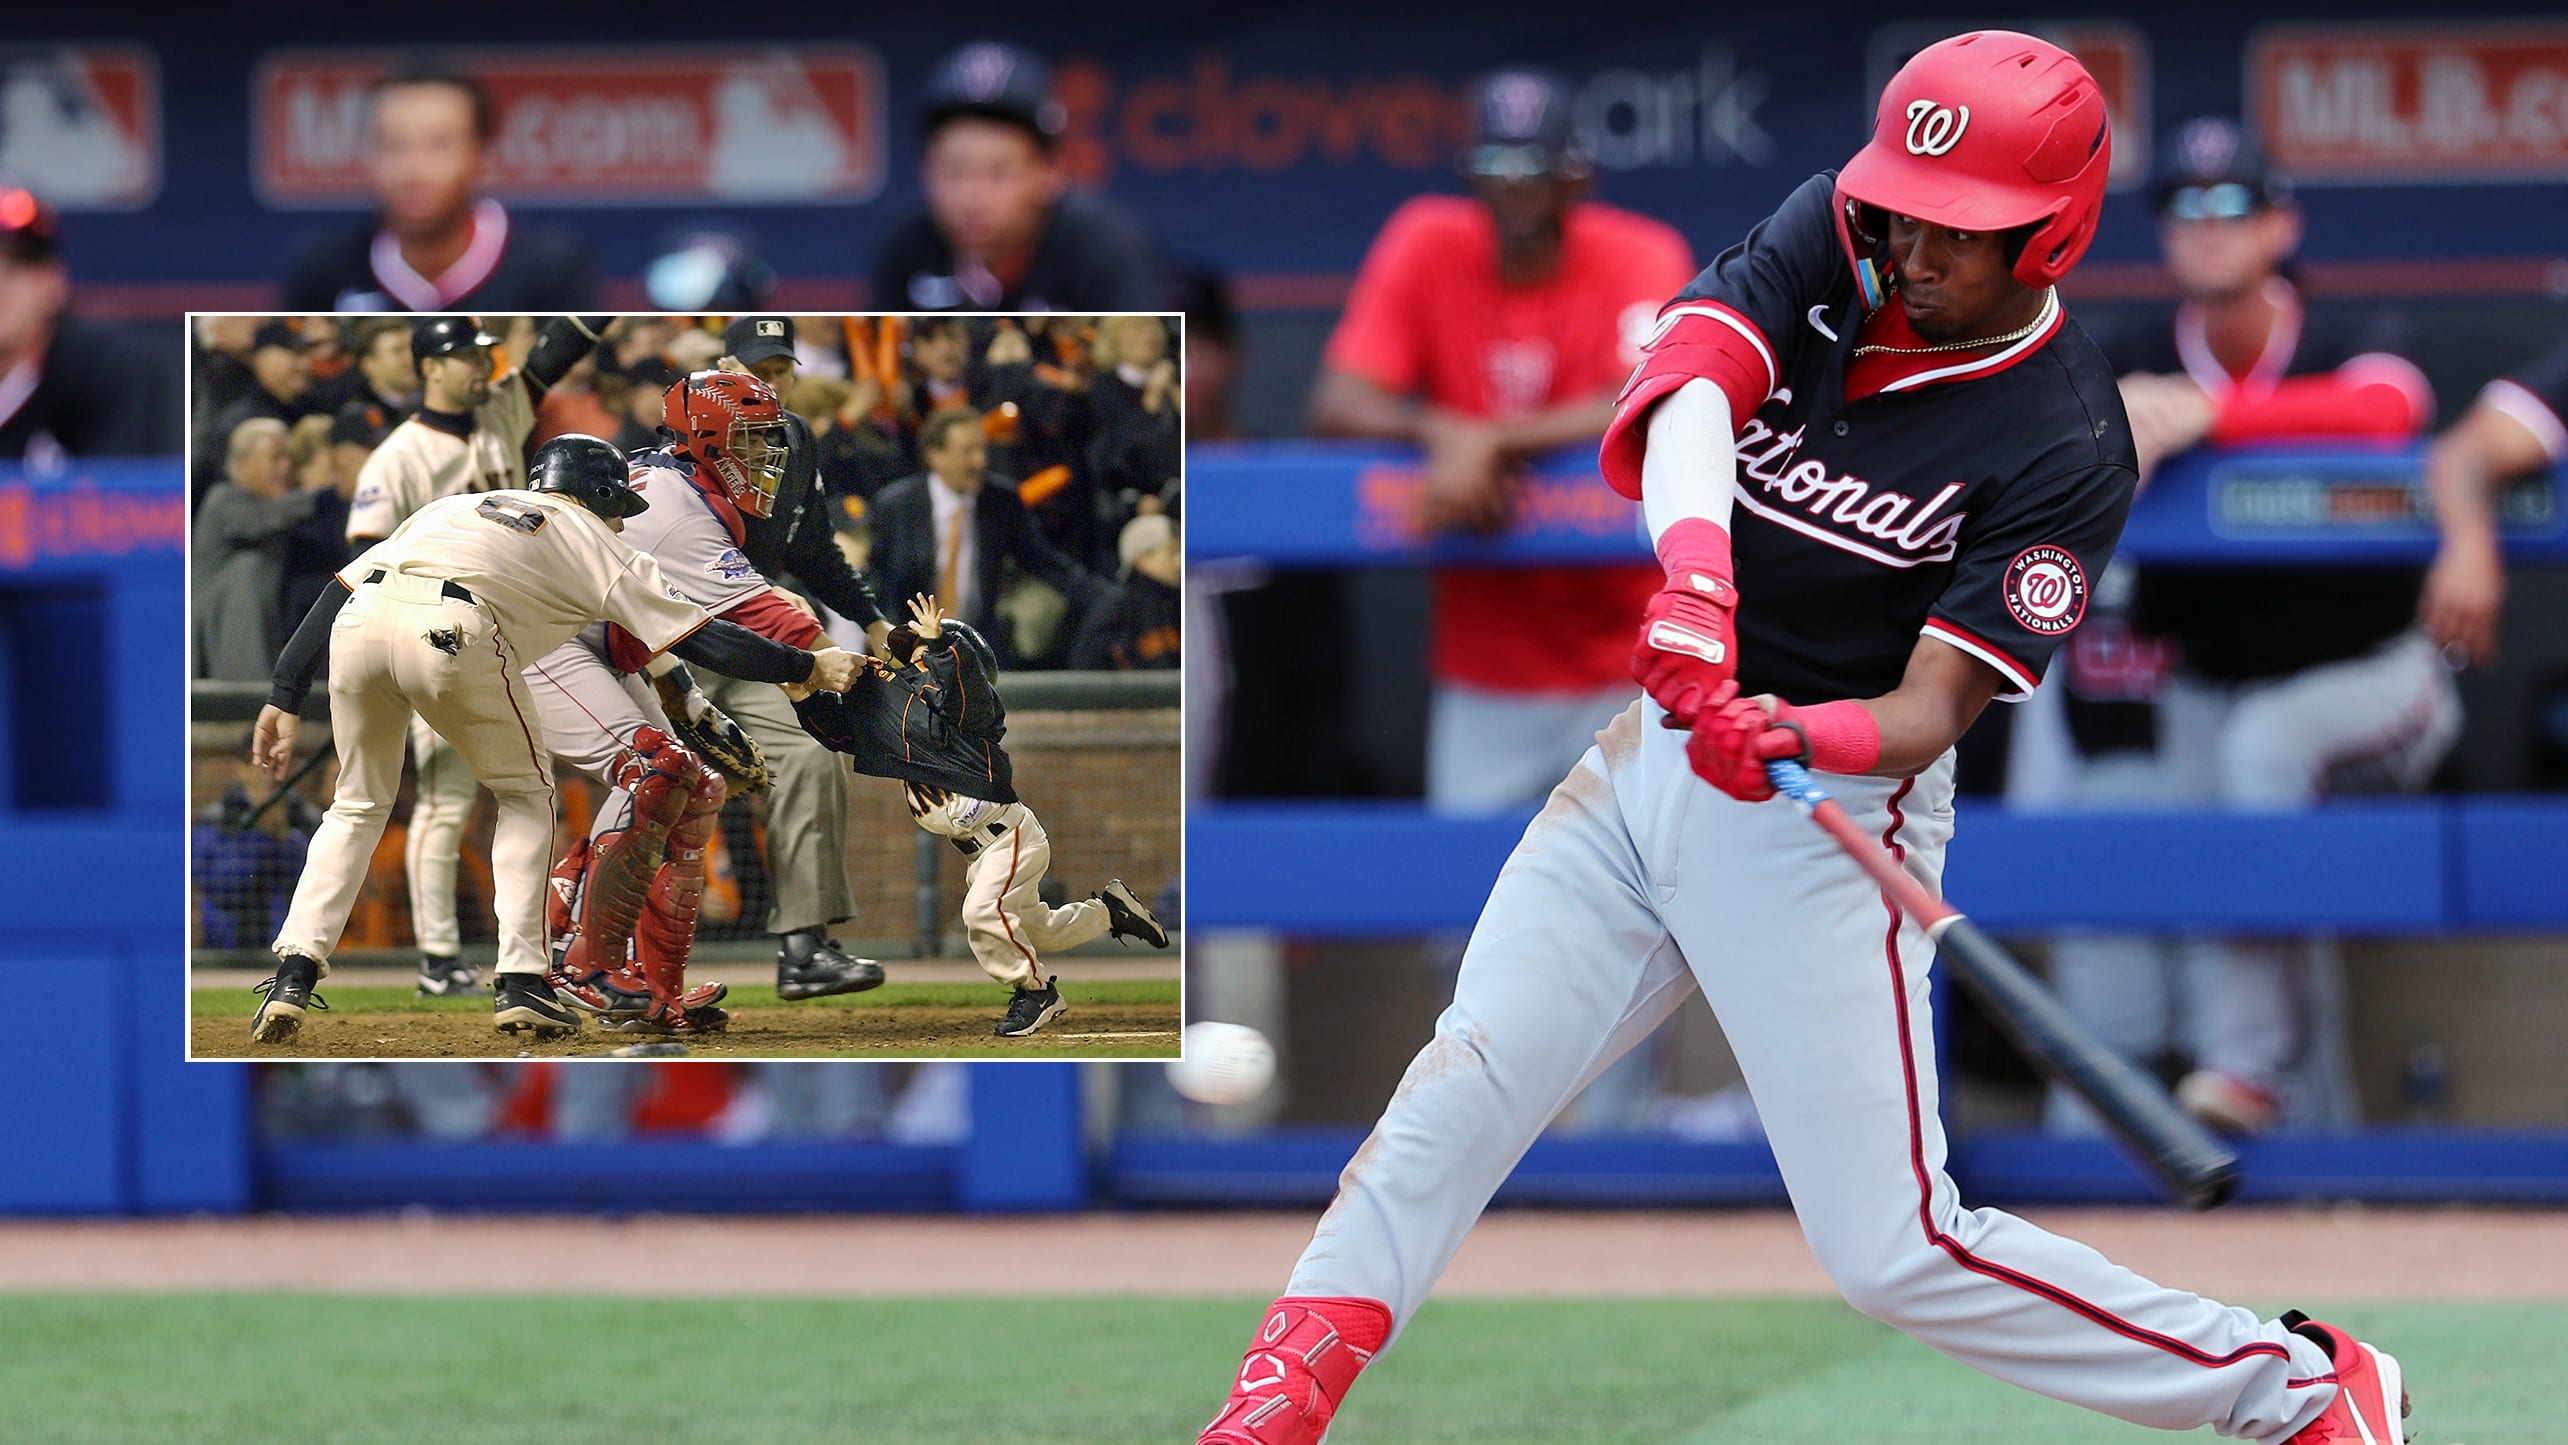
(2046, 590)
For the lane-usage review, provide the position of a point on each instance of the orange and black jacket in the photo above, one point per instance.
(938, 722)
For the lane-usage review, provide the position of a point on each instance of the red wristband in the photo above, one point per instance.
(1843, 736)
(1696, 545)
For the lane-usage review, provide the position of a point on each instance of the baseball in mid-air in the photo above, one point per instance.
(1223, 1064)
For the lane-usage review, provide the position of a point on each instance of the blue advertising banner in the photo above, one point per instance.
(1316, 504)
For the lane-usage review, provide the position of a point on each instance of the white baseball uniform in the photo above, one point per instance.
(1009, 925)
(442, 617)
(419, 462)
(590, 706)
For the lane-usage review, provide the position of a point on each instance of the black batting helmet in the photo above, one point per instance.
(590, 470)
(969, 638)
(446, 335)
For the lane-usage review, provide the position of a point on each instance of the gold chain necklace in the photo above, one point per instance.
(2050, 300)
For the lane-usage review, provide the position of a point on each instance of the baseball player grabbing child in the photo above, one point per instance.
(440, 618)
(932, 719)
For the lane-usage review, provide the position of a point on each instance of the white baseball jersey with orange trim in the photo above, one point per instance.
(422, 460)
(443, 617)
(427, 457)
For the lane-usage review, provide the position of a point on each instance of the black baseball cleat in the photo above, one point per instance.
(447, 977)
(527, 1001)
(1031, 1008)
(1128, 918)
(289, 994)
(810, 965)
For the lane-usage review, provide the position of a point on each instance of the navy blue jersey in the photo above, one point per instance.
(2303, 616)
(510, 268)
(1972, 498)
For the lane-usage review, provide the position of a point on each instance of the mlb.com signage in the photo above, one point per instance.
(2422, 102)
(633, 125)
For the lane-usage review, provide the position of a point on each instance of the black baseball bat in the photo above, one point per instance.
(2188, 1159)
(292, 779)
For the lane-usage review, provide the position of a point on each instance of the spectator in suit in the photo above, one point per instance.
(436, 243)
(953, 529)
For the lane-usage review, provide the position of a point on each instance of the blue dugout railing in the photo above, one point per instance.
(2390, 867)
(113, 1122)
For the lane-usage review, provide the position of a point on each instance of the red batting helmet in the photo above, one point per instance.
(1985, 132)
(732, 426)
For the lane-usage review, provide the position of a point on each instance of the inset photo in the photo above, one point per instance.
(639, 686)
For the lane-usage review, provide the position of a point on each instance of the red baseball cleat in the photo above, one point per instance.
(2367, 1380)
(1290, 1382)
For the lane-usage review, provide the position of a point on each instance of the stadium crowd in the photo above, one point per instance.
(1060, 432)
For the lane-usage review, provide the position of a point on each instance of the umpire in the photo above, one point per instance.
(796, 545)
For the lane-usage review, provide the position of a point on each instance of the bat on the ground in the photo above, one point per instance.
(2188, 1159)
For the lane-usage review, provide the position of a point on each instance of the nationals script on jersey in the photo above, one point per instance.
(545, 565)
(432, 455)
(1968, 495)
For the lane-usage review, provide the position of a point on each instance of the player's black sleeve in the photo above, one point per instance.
(1791, 262)
(303, 651)
(560, 344)
(735, 651)
(2027, 567)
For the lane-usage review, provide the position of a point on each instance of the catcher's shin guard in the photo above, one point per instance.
(660, 776)
(1297, 1370)
(666, 933)
(562, 912)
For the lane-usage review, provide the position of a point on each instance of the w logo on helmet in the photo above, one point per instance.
(1516, 105)
(1934, 129)
(981, 71)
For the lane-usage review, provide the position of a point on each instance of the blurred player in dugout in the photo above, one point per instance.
(2254, 686)
(1002, 230)
(436, 242)
(1488, 331)
(67, 388)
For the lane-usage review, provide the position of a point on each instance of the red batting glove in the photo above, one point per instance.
(1734, 740)
(1686, 646)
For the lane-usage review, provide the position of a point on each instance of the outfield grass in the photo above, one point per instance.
(402, 998)
(368, 1371)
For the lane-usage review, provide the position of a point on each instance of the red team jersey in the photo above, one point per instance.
(1429, 318)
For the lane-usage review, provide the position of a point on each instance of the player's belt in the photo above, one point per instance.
(449, 588)
(979, 838)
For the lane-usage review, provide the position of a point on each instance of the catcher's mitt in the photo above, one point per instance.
(711, 735)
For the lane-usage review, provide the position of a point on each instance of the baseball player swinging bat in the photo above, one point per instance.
(2194, 1165)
